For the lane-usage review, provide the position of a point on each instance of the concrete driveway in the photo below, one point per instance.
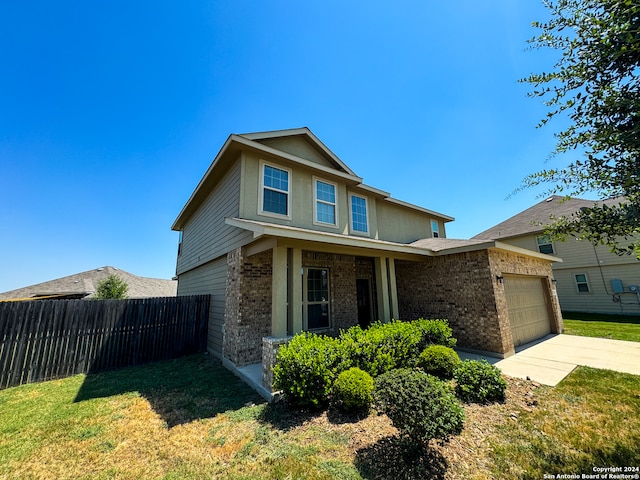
(551, 359)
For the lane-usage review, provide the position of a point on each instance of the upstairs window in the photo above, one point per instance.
(274, 198)
(435, 229)
(325, 202)
(359, 220)
(581, 283)
(545, 245)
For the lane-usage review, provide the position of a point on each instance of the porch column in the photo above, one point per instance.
(279, 292)
(393, 292)
(295, 290)
(382, 286)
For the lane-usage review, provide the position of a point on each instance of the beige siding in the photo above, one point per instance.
(206, 236)
(387, 221)
(299, 147)
(600, 297)
(397, 224)
(600, 266)
(209, 279)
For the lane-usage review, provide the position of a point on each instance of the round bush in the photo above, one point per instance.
(306, 368)
(353, 390)
(439, 360)
(419, 405)
(479, 382)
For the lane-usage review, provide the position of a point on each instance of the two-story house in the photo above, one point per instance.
(590, 278)
(287, 238)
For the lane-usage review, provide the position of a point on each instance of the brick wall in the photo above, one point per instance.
(270, 347)
(462, 288)
(458, 288)
(248, 306)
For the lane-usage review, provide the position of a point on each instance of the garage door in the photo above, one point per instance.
(528, 308)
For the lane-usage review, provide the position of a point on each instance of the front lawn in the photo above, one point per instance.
(192, 419)
(617, 327)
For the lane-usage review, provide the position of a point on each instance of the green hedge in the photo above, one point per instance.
(353, 390)
(307, 367)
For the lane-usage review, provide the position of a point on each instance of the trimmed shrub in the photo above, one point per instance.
(353, 390)
(397, 344)
(381, 347)
(434, 332)
(306, 368)
(479, 382)
(439, 360)
(419, 405)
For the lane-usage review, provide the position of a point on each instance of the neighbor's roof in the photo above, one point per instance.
(83, 285)
(534, 219)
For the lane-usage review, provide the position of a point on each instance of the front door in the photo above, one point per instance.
(363, 288)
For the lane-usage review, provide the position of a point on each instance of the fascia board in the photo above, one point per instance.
(294, 233)
(179, 221)
(298, 160)
(447, 218)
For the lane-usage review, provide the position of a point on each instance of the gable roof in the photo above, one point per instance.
(307, 135)
(535, 219)
(253, 141)
(83, 285)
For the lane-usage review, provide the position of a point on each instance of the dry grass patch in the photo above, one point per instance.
(192, 419)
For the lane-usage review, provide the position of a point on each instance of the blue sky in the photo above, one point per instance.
(111, 111)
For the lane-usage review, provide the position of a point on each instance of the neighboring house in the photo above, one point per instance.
(590, 278)
(83, 285)
(287, 238)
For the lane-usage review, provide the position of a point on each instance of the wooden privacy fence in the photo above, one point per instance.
(46, 339)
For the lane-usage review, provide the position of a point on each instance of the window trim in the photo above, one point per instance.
(316, 200)
(306, 302)
(435, 233)
(262, 187)
(366, 206)
(586, 282)
(553, 250)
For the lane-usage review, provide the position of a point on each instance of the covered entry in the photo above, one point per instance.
(528, 307)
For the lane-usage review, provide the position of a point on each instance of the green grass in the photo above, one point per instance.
(592, 418)
(192, 419)
(617, 327)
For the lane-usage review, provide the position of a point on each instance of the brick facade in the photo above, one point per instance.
(248, 306)
(463, 289)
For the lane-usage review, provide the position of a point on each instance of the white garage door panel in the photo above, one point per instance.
(528, 308)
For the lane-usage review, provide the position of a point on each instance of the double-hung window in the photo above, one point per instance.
(359, 217)
(275, 191)
(545, 245)
(325, 203)
(315, 299)
(435, 229)
(582, 284)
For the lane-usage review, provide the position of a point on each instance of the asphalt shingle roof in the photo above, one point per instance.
(83, 285)
(535, 218)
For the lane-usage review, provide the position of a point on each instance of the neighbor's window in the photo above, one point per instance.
(180, 243)
(359, 221)
(315, 299)
(275, 191)
(325, 202)
(545, 245)
(582, 283)
(435, 229)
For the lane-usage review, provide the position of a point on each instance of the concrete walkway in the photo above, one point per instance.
(551, 359)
